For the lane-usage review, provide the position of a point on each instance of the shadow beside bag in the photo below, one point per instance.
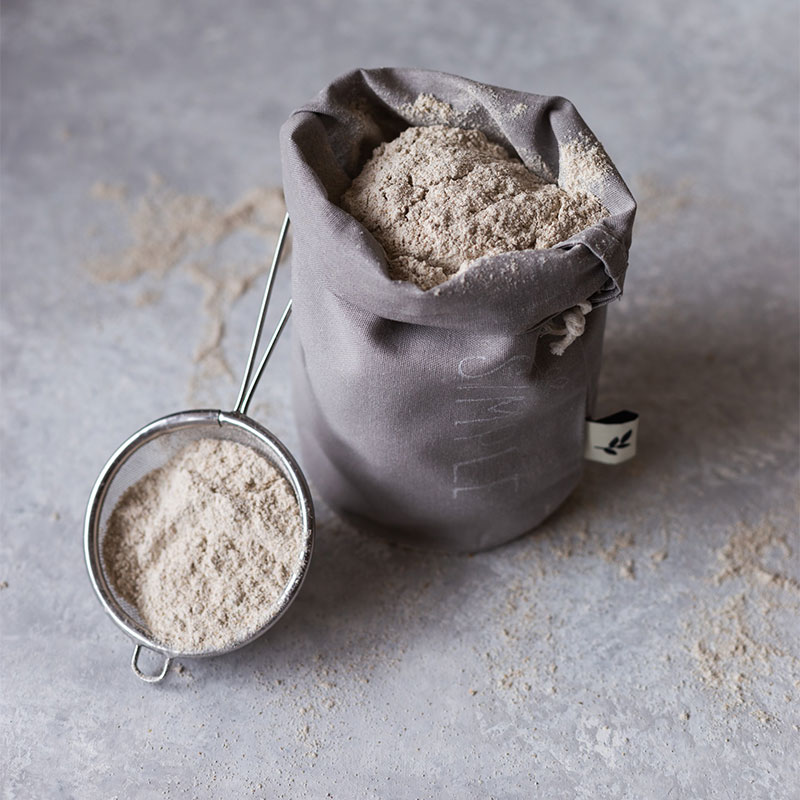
(441, 419)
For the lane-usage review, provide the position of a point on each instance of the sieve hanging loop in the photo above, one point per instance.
(248, 387)
(159, 676)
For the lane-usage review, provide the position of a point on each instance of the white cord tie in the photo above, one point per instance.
(574, 326)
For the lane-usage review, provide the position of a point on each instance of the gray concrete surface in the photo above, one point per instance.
(643, 643)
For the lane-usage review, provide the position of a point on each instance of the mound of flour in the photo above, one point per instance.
(439, 197)
(205, 546)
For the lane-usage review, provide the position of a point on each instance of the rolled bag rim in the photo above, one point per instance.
(509, 293)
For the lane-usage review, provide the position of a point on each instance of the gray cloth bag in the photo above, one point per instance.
(440, 419)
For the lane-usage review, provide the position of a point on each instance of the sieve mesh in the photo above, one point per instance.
(153, 447)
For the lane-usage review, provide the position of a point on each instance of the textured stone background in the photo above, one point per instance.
(643, 643)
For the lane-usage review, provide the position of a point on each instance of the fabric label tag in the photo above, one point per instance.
(612, 439)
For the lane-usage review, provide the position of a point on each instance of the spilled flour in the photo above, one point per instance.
(740, 640)
(214, 246)
(205, 546)
(437, 198)
(167, 227)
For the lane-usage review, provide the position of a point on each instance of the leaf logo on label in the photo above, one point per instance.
(617, 443)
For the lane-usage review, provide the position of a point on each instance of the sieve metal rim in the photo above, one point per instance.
(160, 427)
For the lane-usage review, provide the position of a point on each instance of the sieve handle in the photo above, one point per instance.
(148, 678)
(249, 386)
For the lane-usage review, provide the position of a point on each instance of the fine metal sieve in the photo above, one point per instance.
(154, 445)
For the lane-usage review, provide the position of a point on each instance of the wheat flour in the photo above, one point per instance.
(205, 546)
(439, 197)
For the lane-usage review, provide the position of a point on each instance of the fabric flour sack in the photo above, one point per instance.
(444, 418)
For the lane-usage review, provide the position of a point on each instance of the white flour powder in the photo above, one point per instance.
(205, 546)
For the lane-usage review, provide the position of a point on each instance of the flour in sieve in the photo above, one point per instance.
(205, 546)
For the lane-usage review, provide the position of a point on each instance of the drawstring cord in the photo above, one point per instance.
(574, 325)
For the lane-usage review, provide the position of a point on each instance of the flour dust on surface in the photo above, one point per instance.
(221, 249)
